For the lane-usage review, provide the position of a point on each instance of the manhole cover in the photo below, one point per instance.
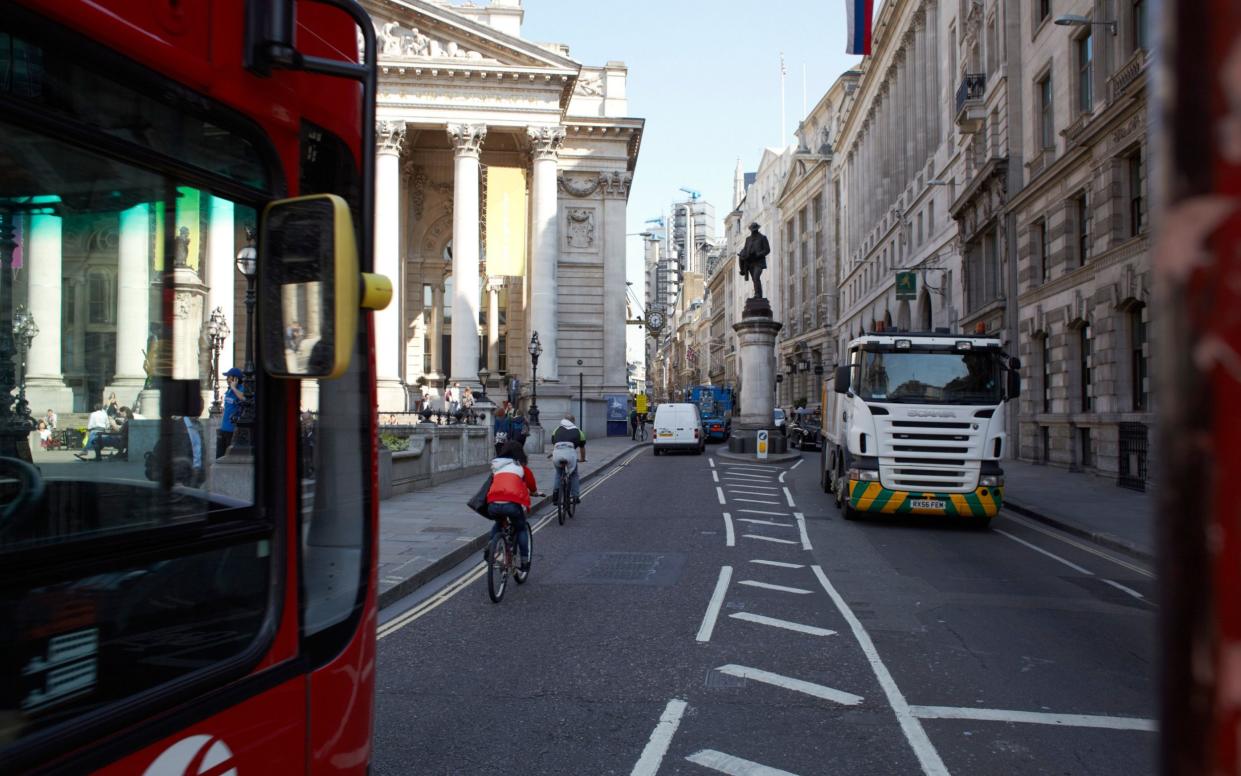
(625, 566)
(655, 569)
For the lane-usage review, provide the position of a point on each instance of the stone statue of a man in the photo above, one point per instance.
(752, 259)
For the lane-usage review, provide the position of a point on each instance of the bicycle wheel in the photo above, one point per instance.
(518, 574)
(562, 499)
(572, 503)
(497, 568)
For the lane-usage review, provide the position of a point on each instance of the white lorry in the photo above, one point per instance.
(914, 423)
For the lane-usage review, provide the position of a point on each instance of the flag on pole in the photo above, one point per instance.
(860, 13)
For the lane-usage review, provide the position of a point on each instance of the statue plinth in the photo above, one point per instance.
(757, 307)
(756, 333)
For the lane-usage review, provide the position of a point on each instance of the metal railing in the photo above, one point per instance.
(973, 87)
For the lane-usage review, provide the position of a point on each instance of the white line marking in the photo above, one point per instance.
(756, 521)
(775, 623)
(1124, 589)
(729, 539)
(1079, 545)
(720, 492)
(789, 496)
(744, 476)
(782, 476)
(712, 462)
(760, 467)
(801, 527)
(715, 477)
(918, 740)
(778, 588)
(768, 539)
(755, 500)
(779, 563)
(749, 486)
(800, 461)
(1036, 718)
(763, 512)
(789, 683)
(737, 492)
(713, 608)
(1051, 555)
(733, 766)
(648, 764)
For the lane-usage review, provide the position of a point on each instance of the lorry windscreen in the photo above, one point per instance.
(930, 377)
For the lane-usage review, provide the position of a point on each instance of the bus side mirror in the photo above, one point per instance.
(842, 379)
(310, 290)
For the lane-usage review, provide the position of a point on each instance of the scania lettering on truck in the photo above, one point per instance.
(915, 424)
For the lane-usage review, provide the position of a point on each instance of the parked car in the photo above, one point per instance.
(778, 419)
(678, 427)
(805, 434)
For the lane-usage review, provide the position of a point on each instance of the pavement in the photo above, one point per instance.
(1083, 504)
(425, 533)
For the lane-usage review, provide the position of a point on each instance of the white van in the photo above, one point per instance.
(678, 427)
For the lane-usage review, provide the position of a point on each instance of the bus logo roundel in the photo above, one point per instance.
(194, 756)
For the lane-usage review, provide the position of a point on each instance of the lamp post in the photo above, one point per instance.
(535, 349)
(484, 374)
(24, 332)
(217, 332)
(247, 265)
(15, 420)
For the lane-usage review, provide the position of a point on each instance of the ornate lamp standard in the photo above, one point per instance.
(15, 420)
(535, 349)
(484, 374)
(217, 332)
(24, 332)
(247, 265)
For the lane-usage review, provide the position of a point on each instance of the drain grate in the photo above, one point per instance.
(625, 567)
(648, 569)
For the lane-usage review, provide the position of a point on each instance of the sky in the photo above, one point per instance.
(706, 77)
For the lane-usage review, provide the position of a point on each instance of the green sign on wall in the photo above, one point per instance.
(907, 285)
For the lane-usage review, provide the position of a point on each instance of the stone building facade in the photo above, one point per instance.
(503, 174)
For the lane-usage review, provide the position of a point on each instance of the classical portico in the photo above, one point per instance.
(502, 178)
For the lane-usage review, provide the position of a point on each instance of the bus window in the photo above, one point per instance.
(131, 556)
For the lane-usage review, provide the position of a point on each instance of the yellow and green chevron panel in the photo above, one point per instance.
(873, 497)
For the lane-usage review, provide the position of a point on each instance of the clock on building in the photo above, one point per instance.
(655, 321)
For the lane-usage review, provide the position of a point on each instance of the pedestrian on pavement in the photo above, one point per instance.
(642, 416)
(633, 423)
(512, 482)
(233, 395)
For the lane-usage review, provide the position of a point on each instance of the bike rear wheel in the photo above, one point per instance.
(562, 508)
(497, 568)
(518, 574)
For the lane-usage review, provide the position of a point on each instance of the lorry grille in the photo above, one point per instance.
(929, 455)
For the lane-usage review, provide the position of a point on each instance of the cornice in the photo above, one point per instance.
(1129, 249)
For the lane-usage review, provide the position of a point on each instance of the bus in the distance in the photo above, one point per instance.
(188, 509)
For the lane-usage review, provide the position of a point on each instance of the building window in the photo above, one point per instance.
(1041, 250)
(1085, 73)
(1139, 25)
(502, 354)
(1081, 218)
(1083, 365)
(1047, 125)
(919, 229)
(1044, 9)
(1046, 443)
(1087, 458)
(1137, 204)
(1045, 358)
(993, 47)
(99, 298)
(1137, 358)
(426, 355)
(930, 218)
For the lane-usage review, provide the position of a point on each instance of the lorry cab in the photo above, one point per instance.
(917, 425)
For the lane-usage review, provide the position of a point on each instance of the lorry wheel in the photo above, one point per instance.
(978, 523)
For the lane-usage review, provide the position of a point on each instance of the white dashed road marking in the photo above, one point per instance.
(720, 492)
(779, 588)
(768, 539)
(801, 528)
(763, 512)
(1036, 718)
(733, 766)
(713, 608)
(756, 501)
(779, 564)
(800, 461)
(787, 625)
(789, 496)
(789, 683)
(661, 737)
(715, 477)
(729, 538)
(756, 521)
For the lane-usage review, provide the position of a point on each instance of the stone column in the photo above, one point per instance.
(435, 329)
(545, 244)
(45, 384)
(615, 198)
(133, 304)
(389, 137)
(493, 324)
(757, 364)
(467, 140)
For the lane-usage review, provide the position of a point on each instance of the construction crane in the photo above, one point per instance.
(656, 220)
(693, 195)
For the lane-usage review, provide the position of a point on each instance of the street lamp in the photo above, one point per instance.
(247, 265)
(24, 331)
(1076, 20)
(484, 374)
(217, 332)
(535, 349)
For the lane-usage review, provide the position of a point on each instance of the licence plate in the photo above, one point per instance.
(927, 503)
(665, 433)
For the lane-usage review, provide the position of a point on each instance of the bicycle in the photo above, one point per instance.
(503, 559)
(564, 501)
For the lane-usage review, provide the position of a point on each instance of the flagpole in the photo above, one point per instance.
(783, 72)
(803, 91)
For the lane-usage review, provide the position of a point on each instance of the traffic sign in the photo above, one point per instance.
(761, 437)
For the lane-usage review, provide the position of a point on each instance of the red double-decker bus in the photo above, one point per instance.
(187, 562)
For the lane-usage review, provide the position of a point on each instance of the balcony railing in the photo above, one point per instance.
(970, 109)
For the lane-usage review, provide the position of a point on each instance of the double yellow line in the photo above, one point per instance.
(476, 571)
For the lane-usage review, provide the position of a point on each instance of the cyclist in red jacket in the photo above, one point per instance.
(512, 482)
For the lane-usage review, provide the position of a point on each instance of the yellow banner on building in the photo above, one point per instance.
(506, 221)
